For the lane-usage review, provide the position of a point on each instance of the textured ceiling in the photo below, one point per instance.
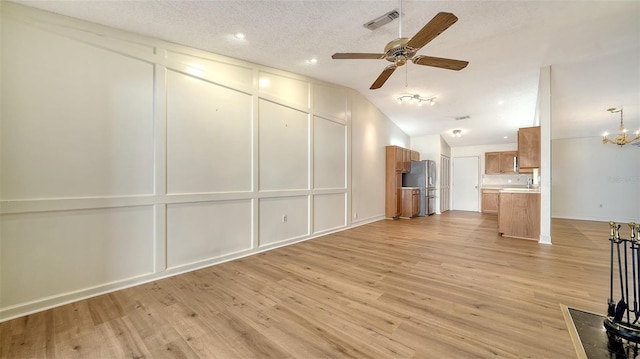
(593, 48)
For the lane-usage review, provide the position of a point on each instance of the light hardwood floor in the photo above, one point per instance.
(445, 286)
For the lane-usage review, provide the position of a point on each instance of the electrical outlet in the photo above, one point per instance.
(355, 215)
(284, 218)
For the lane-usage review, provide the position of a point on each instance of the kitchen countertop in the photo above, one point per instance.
(501, 186)
(519, 190)
(511, 188)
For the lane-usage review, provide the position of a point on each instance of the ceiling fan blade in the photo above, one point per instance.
(383, 77)
(433, 28)
(357, 55)
(448, 64)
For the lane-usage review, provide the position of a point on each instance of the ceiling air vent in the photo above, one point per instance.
(463, 118)
(382, 20)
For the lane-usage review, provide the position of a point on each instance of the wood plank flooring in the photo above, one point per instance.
(445, 286)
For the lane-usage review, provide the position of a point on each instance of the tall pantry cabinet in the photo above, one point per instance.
(398, 161)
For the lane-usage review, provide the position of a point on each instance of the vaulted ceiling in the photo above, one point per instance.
(593, 48)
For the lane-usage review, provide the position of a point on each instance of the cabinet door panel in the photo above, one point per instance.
(519, 215)
(507, 159)
(490, 201)
(399, 159)
(406, 160)
(492, 162)
(415, 156)
(529, 147)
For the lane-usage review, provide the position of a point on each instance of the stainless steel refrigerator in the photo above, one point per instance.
(423, 176)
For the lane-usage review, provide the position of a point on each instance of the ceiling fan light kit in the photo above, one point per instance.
(415, 98)
(404, 49)
(622, 138)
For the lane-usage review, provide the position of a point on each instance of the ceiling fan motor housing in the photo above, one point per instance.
(397, 52)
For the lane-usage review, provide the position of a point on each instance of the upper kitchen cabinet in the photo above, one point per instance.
(406, 160)
(509, 162)
(415, 156)
(529, 149)
(403, 158)
(491, 162)
(503, 162)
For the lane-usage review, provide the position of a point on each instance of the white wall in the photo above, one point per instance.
(371, 132)
(543, 118)
(125, 159)
(593, 181)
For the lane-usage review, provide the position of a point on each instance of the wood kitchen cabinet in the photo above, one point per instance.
(491, 162)
(393, 182)
(398, 154)
(410, 202)
(490, 200)
(415, 156)
(500, 162)
(402, 158)
(398, 161)
(519, 215)
(528, 149)
(406, 160)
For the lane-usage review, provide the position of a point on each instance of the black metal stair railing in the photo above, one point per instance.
(622, 320)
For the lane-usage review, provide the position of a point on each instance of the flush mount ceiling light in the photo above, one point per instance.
(621, 138)
(457, 133)
(415, 98)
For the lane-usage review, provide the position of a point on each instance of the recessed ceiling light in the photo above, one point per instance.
(505, 137)
(239, 36)
(500, 102)
(312, 61)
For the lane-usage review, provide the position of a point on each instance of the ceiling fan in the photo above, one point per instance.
(403, 49)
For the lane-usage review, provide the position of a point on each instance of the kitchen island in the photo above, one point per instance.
(519, 213)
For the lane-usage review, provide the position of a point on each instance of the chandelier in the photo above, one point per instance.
(622, 138)
(416, 98)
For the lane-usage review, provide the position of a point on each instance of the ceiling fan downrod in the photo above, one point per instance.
(400, 21)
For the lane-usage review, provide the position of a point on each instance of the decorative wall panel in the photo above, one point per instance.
(329, 154)
(284, 147)
(283, 218)
(93, 118)
(331, 101)
(206, 230)
(329, 212)
(288, 90)
(50, 253)
(215, 71)
(77, 115)
(209, 142)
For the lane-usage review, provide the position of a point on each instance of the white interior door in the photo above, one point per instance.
(465, 174)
